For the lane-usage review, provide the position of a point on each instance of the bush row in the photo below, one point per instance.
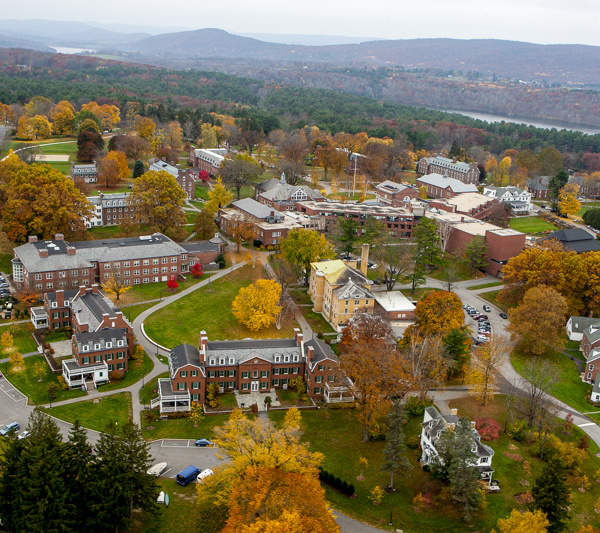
(347, 489)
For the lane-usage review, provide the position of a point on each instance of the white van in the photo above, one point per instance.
(204, 474)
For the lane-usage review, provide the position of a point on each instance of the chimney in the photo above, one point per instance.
(59, 237)
(32, 238)
(71, 250)
(43, 252)
(82, 290)
(203, 347)
(454, 412)
(60, 298)
(310, 354)
(298, 336)
(473, 424)
(94, 289)
(272, 213)
(364, 259)
(454, 159)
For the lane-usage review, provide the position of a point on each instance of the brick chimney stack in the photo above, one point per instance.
(43, 252)
(310, 354)
(59, 237)
(203, 347)
(32, 238)
(71, 250)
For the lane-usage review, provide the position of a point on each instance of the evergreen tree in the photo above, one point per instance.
(79, 457)
(551, 494)
(394, 453)
(138, 169)
(456, 465)
(345, 234)
(457, 346)
(475, 253)
(12, 479)
(428, 240)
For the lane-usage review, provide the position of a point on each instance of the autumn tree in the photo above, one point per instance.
(328, 157)
(121, 159)
(115, 285)
(538, 321)
(568, 203)
(239, 171)
(270, 500)
(528, 522)
(208, 135)
(204, 225)
(42, 201)
(6, 341)
(302, 247)
(158, 200)
(25, 128)
(62, 116)
(197, 270)
(439, 312)
(108, 172)
(345, 235)
(241, 228)
(41, 126)
(39, 105)
(257, 305)
(16, 360)
(394, 452)
(109, 115)
(486, 362)
(89, 140)
(144, 127)
(244, 442)
(475, 253)
(219, 196)
(173, 137)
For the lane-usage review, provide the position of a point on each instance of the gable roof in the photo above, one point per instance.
(183, 355)
(444, 182)
(351, 290)
(254, 208)
(248, 349)
(337, 272)
(393, 187)
(577, 240)
(88, 309)
(580, 323)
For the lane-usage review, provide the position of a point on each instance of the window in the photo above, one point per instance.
(180, 386)
(126, 264)
(286, 358)
(194, 373)
(277, 358)
(275, 383)
(155, 261)
(38, 277)
(109, 344)
(591, 367)
(120, 355)
(85, 360)
(286, 370)
(211, 373)
(165, 269)
(264, 374)
(165, 260)
(49, 275)
(231, 373)
(245, 386)
(119, 343)
(109, 357)
(213, 361)
(173, 260)
(255, 373)
(136, 281)
(245, 375)
(356, 302)
(318, 390)
(96, 346)
(97, 358)
(231, 361)
(183, 374)
(146, 262)
(318, 379)
(155, 270)
(221, 360)
(117, 265)
(295, 370)
(136, 263)
(174, 269)
(276, 371)
(111, 367)
(86, 348)
(221, 373)
(295, 358)
(263, 384)
(49, 285)
(127, 273)
(146, 271)
(483, 460)
(321, 368)
(146, 280)
(195, 385)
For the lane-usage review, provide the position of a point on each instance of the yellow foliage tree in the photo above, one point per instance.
(256, 306)
(439, 312)
(219, 196)
(116, 286)
(423, 192)
(42, 129)
(7, 341)
(62, 116)
(197, 413)
(208, 135)
(567, 200)
(16, 360)
(528, 522)
(483, 372)
(109, 115)
(121, 160)
(145, 127)
(25, 128)
(173, 137)
(257, 442)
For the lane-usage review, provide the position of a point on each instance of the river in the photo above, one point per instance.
(545, 124)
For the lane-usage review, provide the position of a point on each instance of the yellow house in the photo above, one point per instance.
(339, 292)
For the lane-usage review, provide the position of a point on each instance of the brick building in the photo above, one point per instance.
(186, 178)
(283, 197)
(109, 209)
(207, 159)
(538, 187)
(250, 365)
(438, 186)
(395, 194)
(45, 266)
(399, 221)
(465, 172)
(472, 204)
(86, 173)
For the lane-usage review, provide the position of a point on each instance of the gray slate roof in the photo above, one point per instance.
(183, 355)
(101, 337)
(200, 247)
(322, 351)
(350, 290)
(576, 239)
(393, 187)
(581, 323)
(254, 208)
(89, 308)
(268, 185)
(443, 182)
(283, 192)
(249, 349)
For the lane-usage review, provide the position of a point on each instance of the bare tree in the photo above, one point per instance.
(485, 363)
(28, 154)
(444, 230)
(450, 276)
(542, 375)
(395, 260)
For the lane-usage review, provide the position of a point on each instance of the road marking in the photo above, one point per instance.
(10, 391)
(175, 443)
(585, 425)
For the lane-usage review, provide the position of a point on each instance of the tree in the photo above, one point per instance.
(568, 203)
(89, 140)
(269, 500)
(394, 452)
(208, 135)
(456, 465)
(109, 115)
(84, 115)
(174, 137)
(115, 285)
(241, 228)
(542, 376)
(204, 225)
(172, 284)
(294, 171)
(62, 116)
(551, 495)
(394, 259)
(144, 127)
(42, 129)
(529, 522)
(302, 247)
(345, 234)
(138, 169)
(197, 270)
(258, 442)
(239, 171)
(16, 360)
(450, 276)
(256, 306)
(108, 172)
(439, 312)
(428, 240)
(328, 157)
(204, 177)
(158, 200)
(486, 361)
(6, 341)
(121, 160)
(475, 253)
(135, 147)
(42, 201)
(457, 345)
(556, 183)
(39, 105)
(197, 413)
(25, 128)
(218, 197)
(538, 321)
(444, 231)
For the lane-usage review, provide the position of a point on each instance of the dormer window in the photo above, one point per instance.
(286, 358)
(54, 304)
(222, 361)
(119, 343)
(109, 344)
(213, 362)
(231, 361)
(277, 358)
(295, 358)
(96, 346)
(86, 348)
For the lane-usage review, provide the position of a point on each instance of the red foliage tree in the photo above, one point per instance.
(488, 428)
(204, 176)
(172, 283)
(197, 270)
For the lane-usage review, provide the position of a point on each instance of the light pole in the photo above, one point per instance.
(50, 396)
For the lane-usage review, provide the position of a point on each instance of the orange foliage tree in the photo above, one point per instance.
(439, 312)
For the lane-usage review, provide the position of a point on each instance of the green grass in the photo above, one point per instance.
(132, 311)
(134, 373)
(62, 166)
(22, 339)
(27, 382)
(60, 149)
(227, 401)
(351, 197)
(530, 225)
(5, 263)
(492, 297)
(316, 321)
(190, 216)
(150, 389)
(199, 205)
(155, 291)
(96, 414)
(183, 428)
(300, 296)
(208, 308)
(485, 285)
(419, 292)
(463, 271)
(201, 192)
(57, 336)
(569, 388)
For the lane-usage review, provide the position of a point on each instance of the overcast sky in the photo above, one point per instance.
(538, 21)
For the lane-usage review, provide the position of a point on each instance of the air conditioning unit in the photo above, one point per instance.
(221, 390)
(285, 386)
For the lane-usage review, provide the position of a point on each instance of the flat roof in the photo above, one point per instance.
(468, 200)
(394, 301)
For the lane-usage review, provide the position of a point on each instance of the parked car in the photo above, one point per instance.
(483, 317)
(204, 474)
(203, 442)
(476, 316)
(13, 426)
(23, 435)
(487, 308)
(503, 315)
(482, 338)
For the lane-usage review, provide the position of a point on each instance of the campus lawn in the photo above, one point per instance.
(300, 296)
(5, 263)
(492, 297)
(22, 339)
(209, 309)
(316, 321)
(569, 388)
(419, 292)
(132, 311)
(57, 336)
(27, 382)
(150, 389)
(183, 428)
(134, 373)
(96, 414)
(60, 149)
(154, 291)
(348, 196)
(485, 285)
(289, 398)
(201, 192)
(190, 216)
(530, 225)
(199, 205)
(463, 271)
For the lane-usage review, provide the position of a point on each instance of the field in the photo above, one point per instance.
(182, 320)
(531, 225)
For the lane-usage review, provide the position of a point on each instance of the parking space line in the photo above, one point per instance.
(14, 394)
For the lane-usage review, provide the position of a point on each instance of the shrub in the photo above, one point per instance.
(517, 430)
(52, 390)
(350, 489)
(257, 243)
(345, 405)
(571, 455)
(180, 414)
(584, 442)
(254, 408)
(327, 340)
(221, 260)
(116, 375)
(488, 428)
(413, 442)
(62, 383)
(319, 335)
(416, 406)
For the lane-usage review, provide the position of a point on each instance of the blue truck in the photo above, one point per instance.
(186, 476)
